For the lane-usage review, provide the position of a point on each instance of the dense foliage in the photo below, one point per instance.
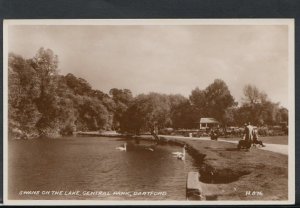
(43, 103)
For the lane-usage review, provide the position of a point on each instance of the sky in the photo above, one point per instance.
(168, 59)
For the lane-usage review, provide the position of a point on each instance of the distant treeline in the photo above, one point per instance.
(43, 103)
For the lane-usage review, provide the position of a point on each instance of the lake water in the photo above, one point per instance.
(92, 168)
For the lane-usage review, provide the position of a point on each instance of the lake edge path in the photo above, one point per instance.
(277, 148)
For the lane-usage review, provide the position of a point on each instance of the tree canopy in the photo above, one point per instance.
(41, 102)
(213, 101)
(44, 103)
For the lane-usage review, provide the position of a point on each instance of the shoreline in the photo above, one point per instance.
(230, 173)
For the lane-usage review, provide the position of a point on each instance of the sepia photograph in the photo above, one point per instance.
(161, 111)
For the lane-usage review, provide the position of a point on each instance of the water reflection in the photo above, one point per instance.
(94, 164)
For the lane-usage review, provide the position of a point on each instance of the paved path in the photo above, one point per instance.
(279, 148)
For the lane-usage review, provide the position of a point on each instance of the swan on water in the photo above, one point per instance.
(150, 149)
(122, 148)
(180, 155)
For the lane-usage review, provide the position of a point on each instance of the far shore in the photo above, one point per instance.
(267, 139)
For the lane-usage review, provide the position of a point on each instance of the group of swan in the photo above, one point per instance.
(124, 148)
(180, 155)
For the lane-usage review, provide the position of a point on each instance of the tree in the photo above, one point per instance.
(230, 116)
(121, 95)
(252, 95)
(218, 99)
(198, 100)
(258, 109)
(85, 109)
(176, 100)
(92, 115)
(213, 101)
(184, 116)
(121, 98)
(282, 115)
(78, 85)
(45, 64)
(23, 87)
(147, 113)
(182, 113)
(43, 103)
(67, 116)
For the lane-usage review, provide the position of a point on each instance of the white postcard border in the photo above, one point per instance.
(291, 140)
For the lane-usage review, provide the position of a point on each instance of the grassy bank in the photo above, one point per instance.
(235, 173)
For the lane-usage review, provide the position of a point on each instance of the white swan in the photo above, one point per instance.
(122, 148)
(180, 155)
(150, 149)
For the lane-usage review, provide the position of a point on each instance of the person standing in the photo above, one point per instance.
(246, 142)
(248, 132)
